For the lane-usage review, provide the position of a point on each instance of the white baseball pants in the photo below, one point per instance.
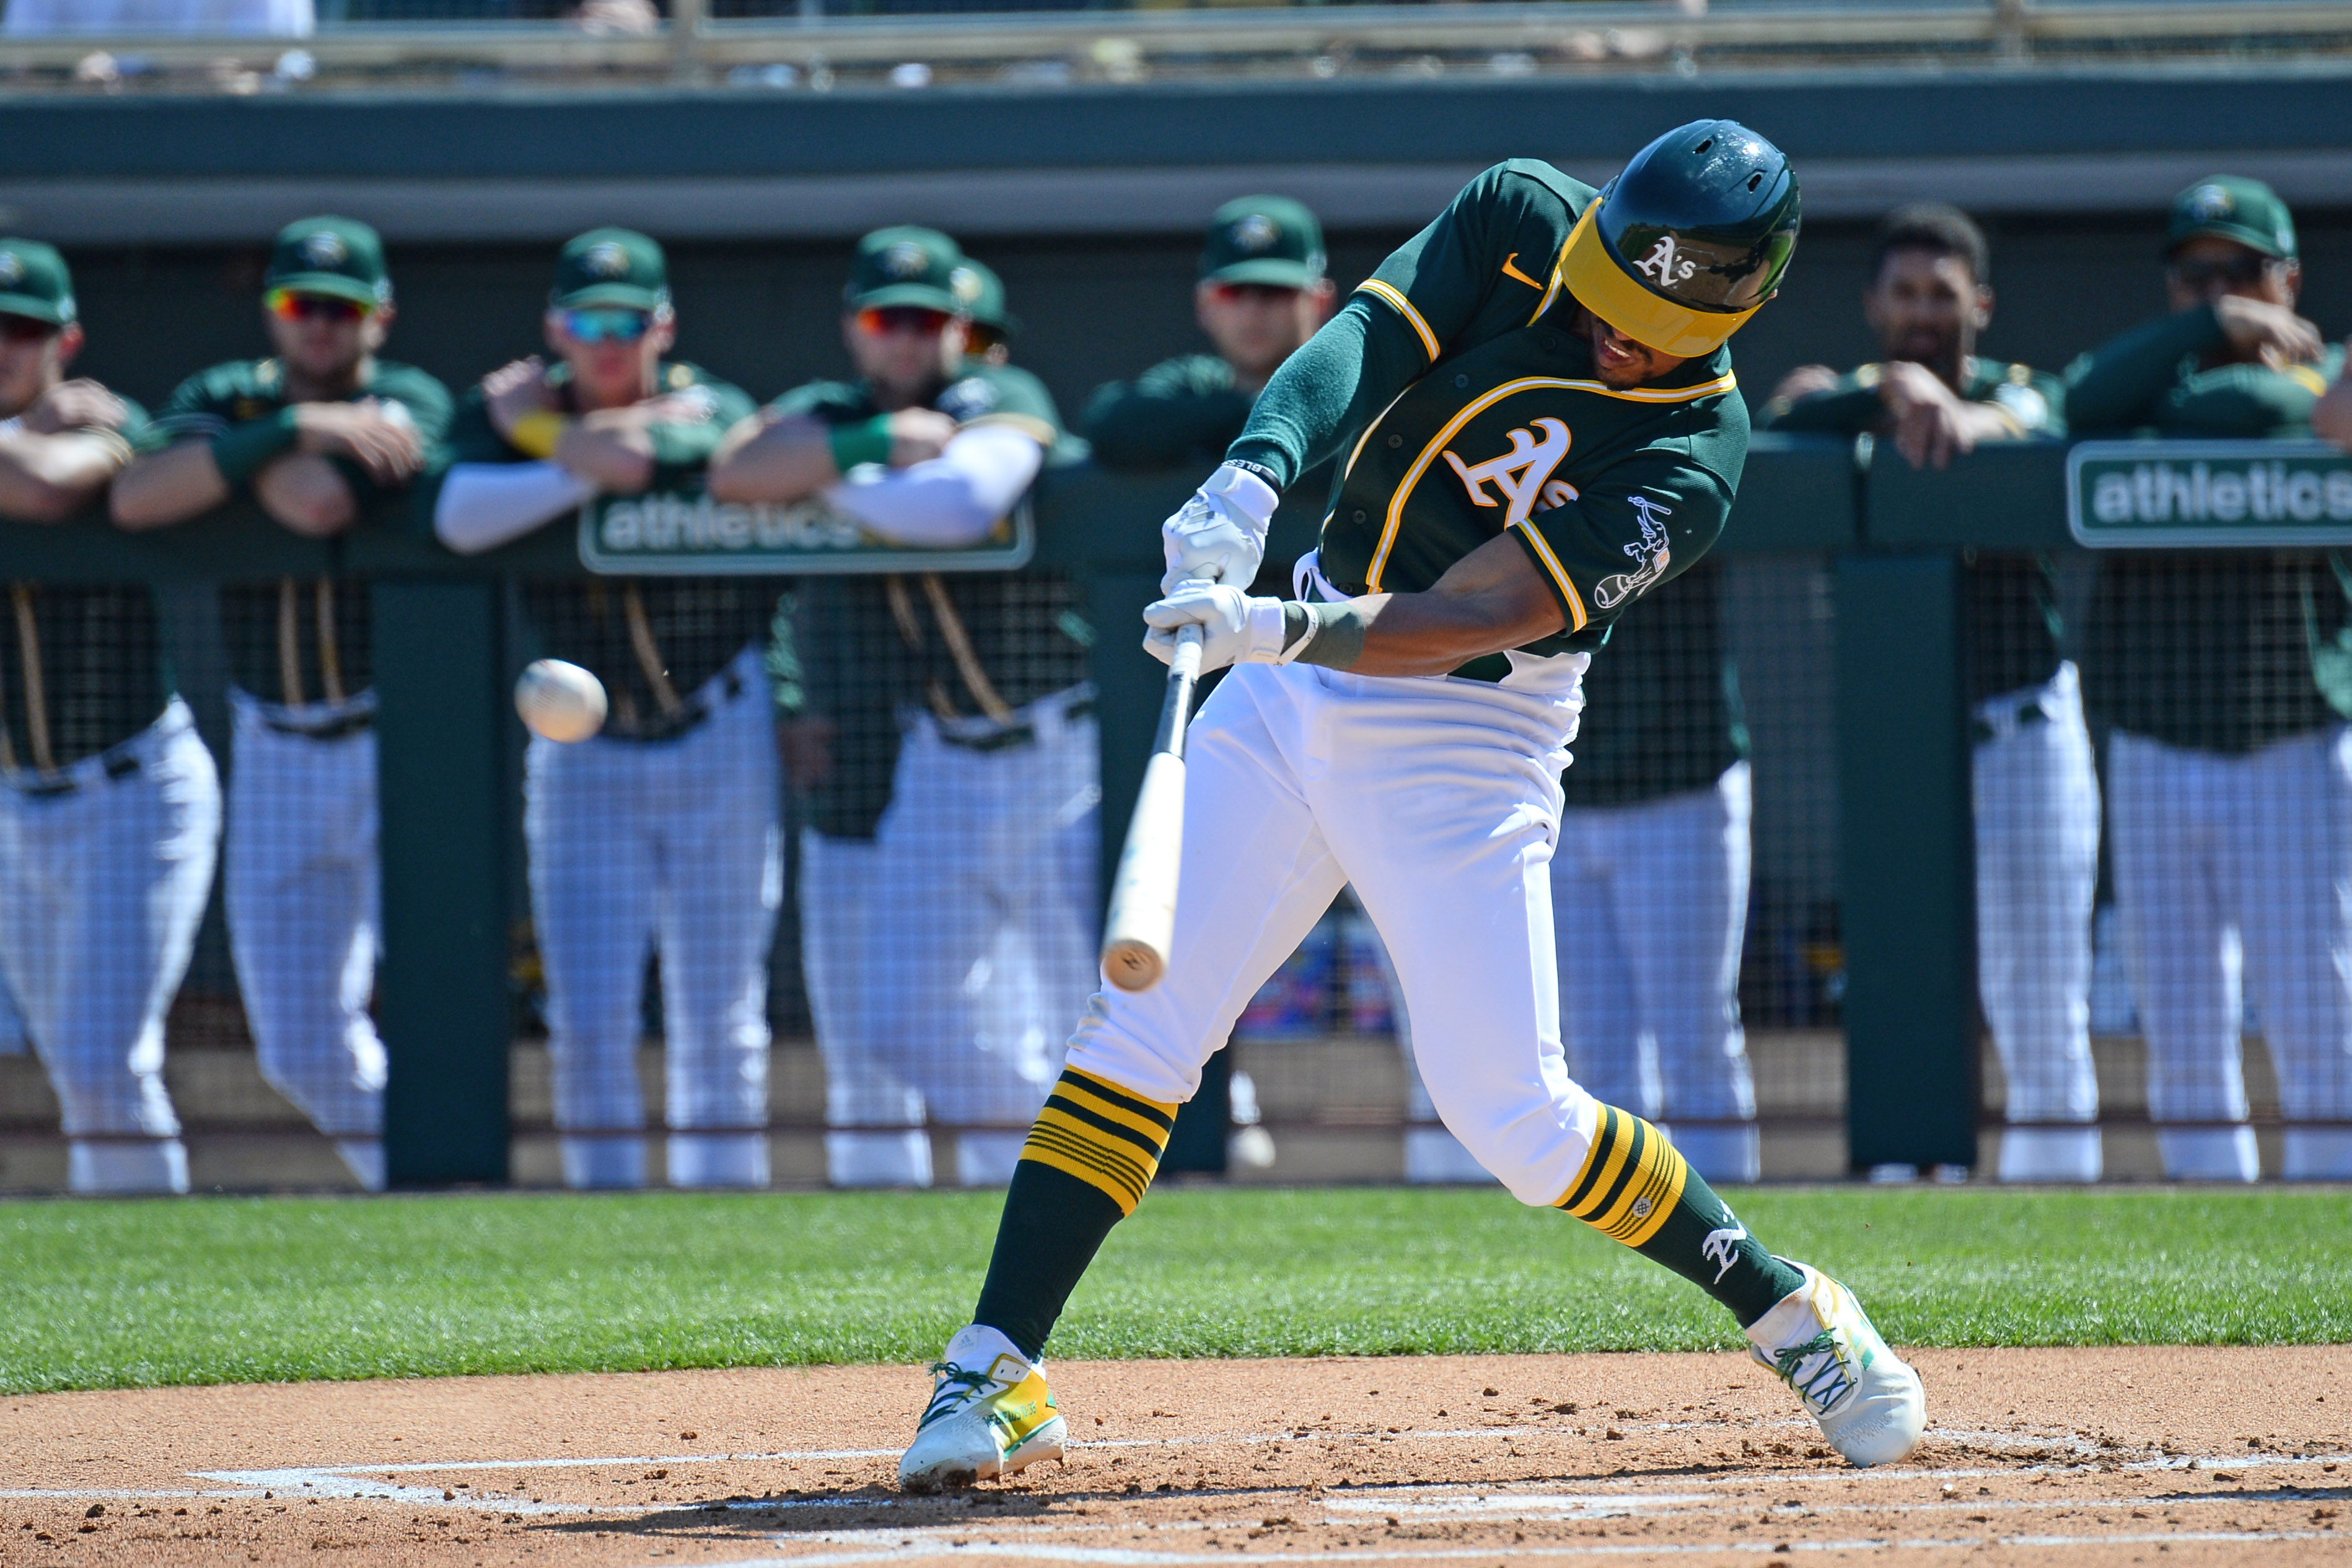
(675, 842)
(1649, 965)
(101, 890)
(2229, 870)
(2037, 855)
(952, 952)
(1439, 799)
(303, 886)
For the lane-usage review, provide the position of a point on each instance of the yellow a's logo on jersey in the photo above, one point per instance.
(1519, 474)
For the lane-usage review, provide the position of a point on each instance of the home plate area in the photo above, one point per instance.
(2139, 1454)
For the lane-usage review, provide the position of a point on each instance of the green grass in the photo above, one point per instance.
(96, 1295)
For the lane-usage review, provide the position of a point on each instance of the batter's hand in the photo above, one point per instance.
(1219, 535)
(1235, 628)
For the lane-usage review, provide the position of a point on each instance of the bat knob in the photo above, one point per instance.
(1132, 965)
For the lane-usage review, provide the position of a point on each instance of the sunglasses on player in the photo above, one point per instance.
(1252, 293)
(288, 305)
(606, 324)
(883, 320)
(2240, 269)
(24, 329)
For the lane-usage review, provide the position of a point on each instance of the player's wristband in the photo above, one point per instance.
(536, 434)
(240, 451)
(854, 445)
(1328, 635)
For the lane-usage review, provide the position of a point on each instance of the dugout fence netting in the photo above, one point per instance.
(828, 885)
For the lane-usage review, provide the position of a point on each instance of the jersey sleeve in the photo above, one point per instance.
(1502, 232)
(1004, 395)
(2250, 401)
(1641, 523)
(829, 402)
(1181, 409)
(687, 445)
(194, 411)
(1849, 408)
(2118, 385)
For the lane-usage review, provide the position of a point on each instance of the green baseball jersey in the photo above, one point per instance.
(652, 641)
(2015, 627)
(97, 657)
(1662, 714)
(2223, 652)
(2155, 376)
(859, 652)
(291, 642)
(1182, 410)
(1462, 397)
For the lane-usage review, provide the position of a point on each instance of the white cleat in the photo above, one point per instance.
(1819, 1342)
(991, 1414)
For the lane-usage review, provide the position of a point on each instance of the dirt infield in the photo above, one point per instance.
(2088, 1457)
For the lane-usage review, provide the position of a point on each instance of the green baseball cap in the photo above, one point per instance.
(1264, 239)
(33, 282)
(906, 266)
(2234, 208)
(982, 293)
(337, 256)
(611, 267)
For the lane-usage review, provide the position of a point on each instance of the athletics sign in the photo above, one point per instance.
(2184, 495)
(685, 533)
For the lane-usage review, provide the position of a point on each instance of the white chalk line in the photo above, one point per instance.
(1124, 1557)
(352, 1482)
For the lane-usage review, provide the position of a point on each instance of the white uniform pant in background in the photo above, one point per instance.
(14, 1041)
(303, 886)
(950, 955)
(1649, 904)
(874, 1118)
(674, 842)
(102, 886)
(2229, 868)
(2037, 851)
(1438, 799)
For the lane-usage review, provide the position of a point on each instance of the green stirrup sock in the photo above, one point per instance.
(1635, 1188)
(1091, 1153)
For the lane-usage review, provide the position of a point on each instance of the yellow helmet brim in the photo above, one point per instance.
(1601, 286)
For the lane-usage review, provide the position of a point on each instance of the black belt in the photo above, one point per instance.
(2028, 715)
(678, 721)
(119, 764)
(1012, 735)
(332, 730)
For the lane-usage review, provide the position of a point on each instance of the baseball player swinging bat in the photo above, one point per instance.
(1142, 922)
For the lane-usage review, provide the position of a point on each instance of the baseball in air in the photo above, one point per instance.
(560, 701)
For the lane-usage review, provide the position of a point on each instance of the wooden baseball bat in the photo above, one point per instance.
(1142, 921)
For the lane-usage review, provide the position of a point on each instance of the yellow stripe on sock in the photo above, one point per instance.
(1640, 1179)
(1108, 1138)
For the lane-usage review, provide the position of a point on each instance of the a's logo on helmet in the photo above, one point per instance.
(964, 284)
(905, 259)
(606, 258)
(1664, 265)
(12, 267)
(2210, 202)
(325, 248)
(1254, 233)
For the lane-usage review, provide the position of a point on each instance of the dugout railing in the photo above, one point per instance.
(1869, 553)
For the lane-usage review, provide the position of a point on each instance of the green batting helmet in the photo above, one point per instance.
(1685, 244)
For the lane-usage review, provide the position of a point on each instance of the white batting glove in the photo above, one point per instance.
(1235, 629)
(1219, 535)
